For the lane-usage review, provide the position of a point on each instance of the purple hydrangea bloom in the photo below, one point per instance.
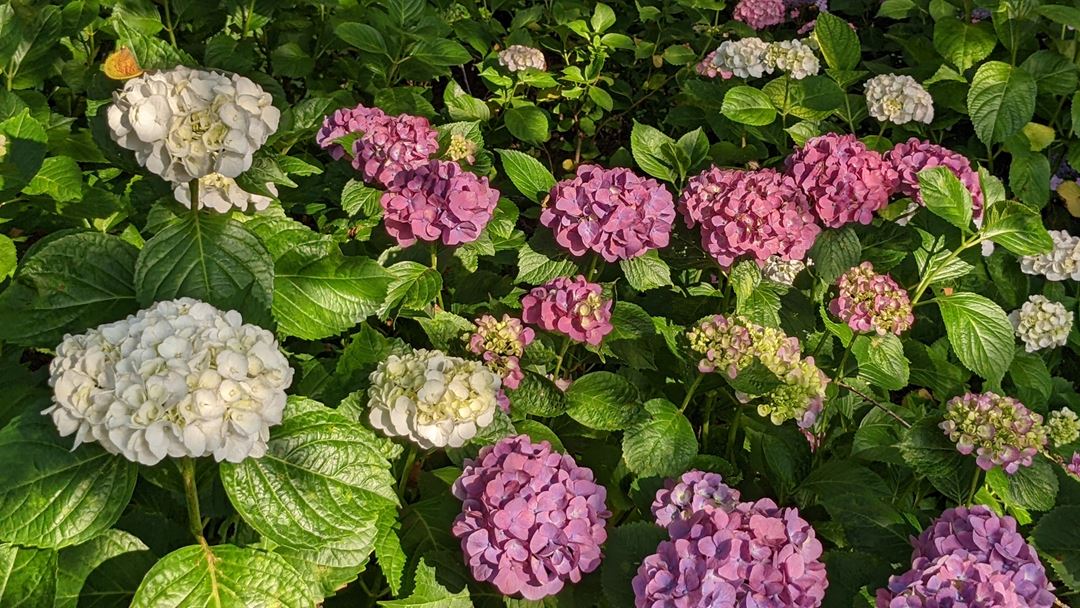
(759, 14)
(694, 491)
(438, 200)
(973, 558)
(914, 155)
(1065, 173)
(501, 343)
(845, 181)
(756, 554)
(531, 519)
(1000, 430)
(1073, 466)
(572, 307)
(610, 211)
(868, 301)
(386, 146)
(758, 213)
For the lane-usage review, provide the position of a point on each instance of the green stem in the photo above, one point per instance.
(406, 470)
(435, 267)
(975, 483)
(839, 372)
(690, 392)
(929, 277)
(592, 267)
(193, 188)
(169, 25)
(562, 355)
(191, 493)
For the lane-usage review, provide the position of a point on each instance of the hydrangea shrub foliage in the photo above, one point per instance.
(562, 304)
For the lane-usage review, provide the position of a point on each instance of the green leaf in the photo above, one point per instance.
(839, 477)
(527, 123)
(812, 98)
(1057, 538)
(68, 284)
(604, 401)
(321, 479)
(602, 18)
(405, 100)
(834, 252)
(59, 178)
(754, 379)
(25, 148)
(662, 445)
(388, 549)
(930, 453)
(895, 9)
(413, 287)
(627, 546)
(445, 329)
(222, 576)
(1054, 74)
(52, 496)
(1017, 228)
(428, 593)
(1029, 177)
(839, 43)
(363, 37)
(538, 432)
(212, 258)
(850, 572)
(945, 196)
(748, 106)
(462, 106)
(291, 61)
(980, 333)
(538, 267)
(934, 258)
(356, 198)
(333, 564)
(646, 271)
(646, 144)
(963, 44)
(1031, 377)
(881, 361)
(27, 576)
(531, 178)
(112, 584)
(1058, 13)
(439, 52)
(1001, 101)
(76, 563)
(537, 396)
(1034, 488)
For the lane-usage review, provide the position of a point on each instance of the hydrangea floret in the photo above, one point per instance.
(501, 344)
(382, 146)
(1001, 431)
(518, 57)
(1063, 427)
(910, 157)
(845, 181)
(745, 58)
(438, 201)
(1060, 263)
(898, 99)
(1042, 323)
(692, 492)
(572, 307)
(223, 194)
(179, 379)
(871, 302)
(531, 519)
(760, 14)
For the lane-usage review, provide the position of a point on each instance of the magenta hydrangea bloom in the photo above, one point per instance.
(760, 14)
(1073, 466)
(572, 307)
(868, 301)
(1001, 431)
(386, 146)
(610, 211)
(914, 155)
(501, 343)
(694, 491)
(438, 200)
(757, 213)
(756, 554)
(531, 519)
(845, 181)
(970, 557)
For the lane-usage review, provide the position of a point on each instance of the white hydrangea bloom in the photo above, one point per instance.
(744, 58)
(1060, 263)
(184, 124)
(779, 270)
(1042, 323)
(223, 194)
(518, 57)
(180, 378)
(1063, 426)
(898, 99)
(793, 57)
(433, 399)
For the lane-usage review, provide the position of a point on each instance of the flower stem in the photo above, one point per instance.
(562, 355)
(592, 268)
(733, 433)
(435, 267)
(406, 470)
(193, 187)
(975, 483)
(929, 277)
(690, 392)
(191, 493)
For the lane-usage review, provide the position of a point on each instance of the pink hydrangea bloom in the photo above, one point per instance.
(531, 519)
(386, 146)
(868, 301)
(707, 67)
(1001, 431)
(845, 181)
(573, 307)
(756, 554)
(757, 213)
(438, 200)
(501, 343)
(914, 155)
(1073, 466)
(760, 14)
(694, 491)
(610, 211)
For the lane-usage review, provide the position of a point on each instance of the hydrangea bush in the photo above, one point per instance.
(564, 304)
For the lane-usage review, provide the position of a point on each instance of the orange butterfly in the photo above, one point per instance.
(121, 64)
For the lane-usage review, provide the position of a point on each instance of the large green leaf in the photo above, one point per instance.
(428, 593)
(59, 178)
(527, 123)
(646, 145)
(963, 44)
(839, 43)
(945, 196)
(1057, 538)
(646, 271)
(76, 563)
(538, 396)
(748, 106)
(52, 496)
(930, 453)
(24, 150)
(1017, 228)
(980, 333)
(603, 401)
(527, 174)
(27, 577)
(113, 583)
(626, 547)
(662, 445)
(1034, 488)
(881, 361)
(1001, 101)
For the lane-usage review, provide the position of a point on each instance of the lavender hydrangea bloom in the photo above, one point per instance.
(572, 307)
(914, 155)
(756, 554)
(386, 146)
(531, 519)
(501, 343)
(760, 14)
(1000, 430)
(845, 181)
(1073, 466)
(868, 301)
(610, 211)
(438, 200)
(693, 492)
(758, 213)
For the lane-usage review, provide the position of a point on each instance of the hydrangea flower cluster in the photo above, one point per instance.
(758, 213)
(760, 14)
(180, 378)
(970, 557)
(501, 343)
(436, 201)
(613, 212)
(793, 57)
(868, 301)
(184, 124)
(753, 57)
(1000, 430)
(898, 99)
(518, 57)
(1060, 263)
(1063, 427)
(531, 519)
(732, 344)
(223, 194)
(1042, 323)
(694, 491)
(910, 157)
(431, 398)
(1073, 466)
(845, 181)
(384, 146)
(755, 554)
(779, 270)
(461, 148)
(744, 58)
(572, 307)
